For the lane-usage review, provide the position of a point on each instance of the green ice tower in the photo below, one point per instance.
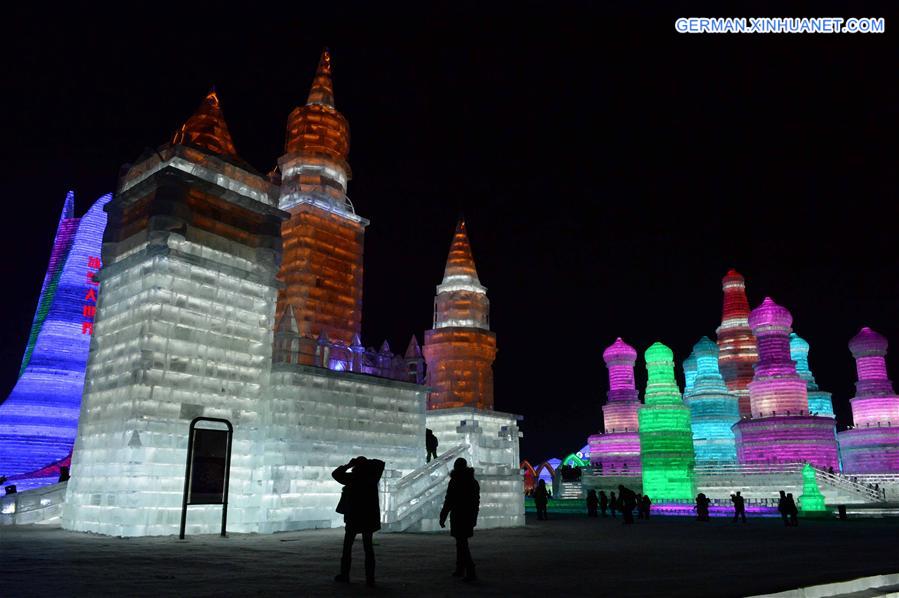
(811, 500)
(666, 437)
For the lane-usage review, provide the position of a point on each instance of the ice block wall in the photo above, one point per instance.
(666, 439)
(183, 329)
(737, 346)
(872, 445)
(781, 430)
(39, 418)
(460, 348)
(617, 449)
(713, 410)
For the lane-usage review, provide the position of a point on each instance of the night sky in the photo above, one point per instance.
(610, 170)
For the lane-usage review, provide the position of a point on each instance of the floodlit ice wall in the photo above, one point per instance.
(39, 418)
(713, 410)
(738, 350)
(819, 401)
(781, 430)
(492, 438)
(872, 445)
(318, 419)
(617, 449)
(666, 438)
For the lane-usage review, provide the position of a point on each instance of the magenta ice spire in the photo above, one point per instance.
(872, 446)
(618, 448)
(781, 429)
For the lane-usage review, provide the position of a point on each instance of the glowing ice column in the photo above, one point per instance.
(618, 448)
(713, 410)
(666, 438)
(689, 366)
(781, 431)
(39, 419)
(819, 402)
(811, 500)
(738, 347)
(872, 446)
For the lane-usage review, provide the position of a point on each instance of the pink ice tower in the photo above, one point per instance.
(781, 430)
(618, 447)
(872, 446)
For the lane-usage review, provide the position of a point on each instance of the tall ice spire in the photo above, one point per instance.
(207, 129)
(737, 346)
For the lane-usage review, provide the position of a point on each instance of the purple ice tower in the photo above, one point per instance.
(780, 429)
(872, 446)
(617, 449)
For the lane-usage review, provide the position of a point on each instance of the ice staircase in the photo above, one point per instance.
(765, 481)
(413, 502)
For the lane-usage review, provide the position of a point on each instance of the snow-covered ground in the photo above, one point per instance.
(567, 555)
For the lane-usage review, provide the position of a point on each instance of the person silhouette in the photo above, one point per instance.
(792, 511)
(603, 502)
(462, 503)
(627, 500)
(360, 507)
(645, 505)
(541, 497)
(430, 444)
(702, 507)
(783, 509)
(592, 503)
(613, 504)
(739, 506)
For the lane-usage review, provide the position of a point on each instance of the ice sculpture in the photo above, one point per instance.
(39, 418)
(460, 348)
(819, 401)
(713, 410)
(781, 430)
(872, 445)
(689, 367)
(324, 237)
(811, 501)
(617, 449)
(738, 351)
(666, 438)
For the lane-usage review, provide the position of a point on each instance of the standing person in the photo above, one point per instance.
(645, 505)
(792, 511)
(592, 503)
(361, 511)
(430, 444)
(613, 504)
(702, 507)
(627, 500)
(462, 502)
(782, 508)
(603, 502)
(739, 506)
(541, 496)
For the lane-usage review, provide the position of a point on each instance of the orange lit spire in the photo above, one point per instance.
(460, 261)
(207, 129)
(322, 91)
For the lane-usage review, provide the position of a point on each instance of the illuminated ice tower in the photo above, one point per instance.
(617, 449)
(737, 346)
(39, 418)
(713, 409)
(819, 401)
(323, 238)
(666, 439)
(872, 446)
(460, 349)
(183, 329)
(781, 430)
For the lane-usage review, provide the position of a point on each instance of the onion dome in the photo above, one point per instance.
(619, 353)
(867, 343)
(207, 130)
(770, 315)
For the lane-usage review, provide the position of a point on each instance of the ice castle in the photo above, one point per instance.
(236, 295)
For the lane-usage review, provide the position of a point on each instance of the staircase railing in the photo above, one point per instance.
(406, 497)
(842, 482)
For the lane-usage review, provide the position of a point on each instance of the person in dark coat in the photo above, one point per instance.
(645, 505)
(627, 500)
(462, 502)
(541, 497)
(739, 507)
(782, 508)
(792, 511)
(702, 507)
(359, 504)
(431, 444)
(592, 503)
(603, 502)
(613, 504)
